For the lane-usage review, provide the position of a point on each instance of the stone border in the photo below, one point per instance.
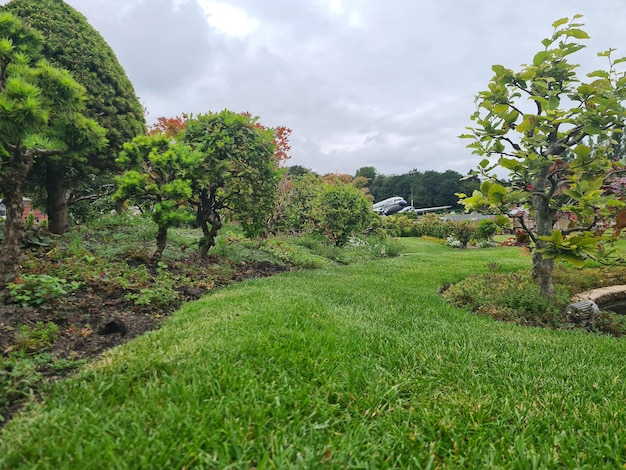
(603, 296)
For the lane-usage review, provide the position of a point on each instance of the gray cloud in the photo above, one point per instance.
(383, 84)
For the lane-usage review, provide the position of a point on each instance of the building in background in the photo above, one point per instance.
(38, 215)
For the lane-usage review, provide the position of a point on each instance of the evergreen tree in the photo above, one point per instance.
(41, 121)
(71, 43)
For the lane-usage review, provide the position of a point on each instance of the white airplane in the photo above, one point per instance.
(423, 210)
(389, 206)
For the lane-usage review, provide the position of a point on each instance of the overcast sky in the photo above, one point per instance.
(388, 84)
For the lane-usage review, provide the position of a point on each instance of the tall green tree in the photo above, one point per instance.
(239, 174)
(549, 130)
(41, 119)
(71, 43)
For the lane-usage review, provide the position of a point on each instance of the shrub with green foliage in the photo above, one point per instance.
(71, 43)
(486, 229)
(296, 203)
(514, 297)
(238, 174)
(431, 225)
(341, 211)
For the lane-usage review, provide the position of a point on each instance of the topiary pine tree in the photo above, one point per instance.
(41, 119)
(71, 43)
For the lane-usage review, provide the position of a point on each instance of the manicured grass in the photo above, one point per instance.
(360, 366)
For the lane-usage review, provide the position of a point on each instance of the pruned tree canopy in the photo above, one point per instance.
(41, 121)
(71, 43)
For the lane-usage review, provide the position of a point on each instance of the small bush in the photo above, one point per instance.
(486, 229)
(512, 297)
(155, 297)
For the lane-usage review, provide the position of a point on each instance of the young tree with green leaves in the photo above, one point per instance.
(342, 210)
(552, 133)
(41, 119)
(71, 43)
(162, 173)
(239, 174)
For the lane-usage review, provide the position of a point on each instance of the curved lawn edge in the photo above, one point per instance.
(355, 366)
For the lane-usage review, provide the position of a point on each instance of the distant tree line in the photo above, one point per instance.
(422, 189)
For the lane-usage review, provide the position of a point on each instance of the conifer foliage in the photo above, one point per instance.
(41, 120)
(71, 43)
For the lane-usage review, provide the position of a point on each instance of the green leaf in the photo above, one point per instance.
(560, 22)
(553, 102)
(485, 186)
(571, 258)
(510, 164)
(497, 194)
(498, 147)
(577, 33)
(500, 108)
(601, 84)
(511, 117)
(586, 90)
(582, 151)
(527, 124)
(540, 57)
(547, 42)
(498, 69)
(592, 129)
(599, 73)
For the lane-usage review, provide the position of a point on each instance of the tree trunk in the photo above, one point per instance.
(544, 220)
(161, 241)
(206, 215)
(17, 169)
(13, 235)
(209, 234)
(58, 194)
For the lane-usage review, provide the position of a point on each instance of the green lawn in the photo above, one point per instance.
(361, 366)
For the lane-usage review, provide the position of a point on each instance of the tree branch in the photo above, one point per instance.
(581, 229)
(35, 151)
(102, 191)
